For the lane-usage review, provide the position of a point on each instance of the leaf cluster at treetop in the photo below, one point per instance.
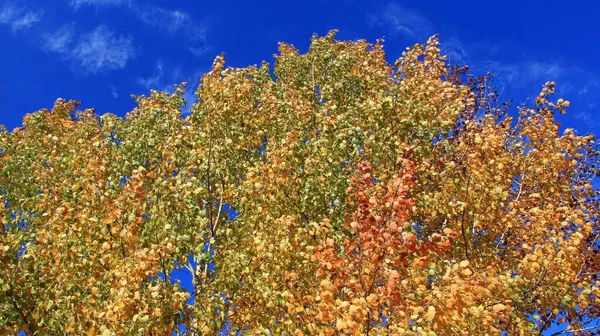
(369, 199)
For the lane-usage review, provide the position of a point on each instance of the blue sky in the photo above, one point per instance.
(102, 51)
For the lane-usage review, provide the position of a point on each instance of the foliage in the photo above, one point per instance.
(339, 194)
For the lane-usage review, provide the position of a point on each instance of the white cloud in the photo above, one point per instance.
(585, 116)
(591, 87)
(173, 22)
(98, 3)
(18, 17)
(580, 86)
(170, 21)
(528, 74)
(404, 21)
(201, 50)
(113, 91)
(26, 20)
(455, 50)
(414, 26)
(60, 41)
(155, 80)
(587, 101)
(179, 23)
(92, 52)
(102, 50)
(543, 69)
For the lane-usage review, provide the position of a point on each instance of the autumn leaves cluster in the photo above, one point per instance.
(333, 194)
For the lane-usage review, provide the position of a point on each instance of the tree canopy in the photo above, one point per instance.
(334, 193)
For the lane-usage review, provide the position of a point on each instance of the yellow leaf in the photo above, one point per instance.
(498, 307)
(340, 324)
(430, 314)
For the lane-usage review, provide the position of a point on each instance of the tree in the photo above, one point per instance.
(339, 194)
